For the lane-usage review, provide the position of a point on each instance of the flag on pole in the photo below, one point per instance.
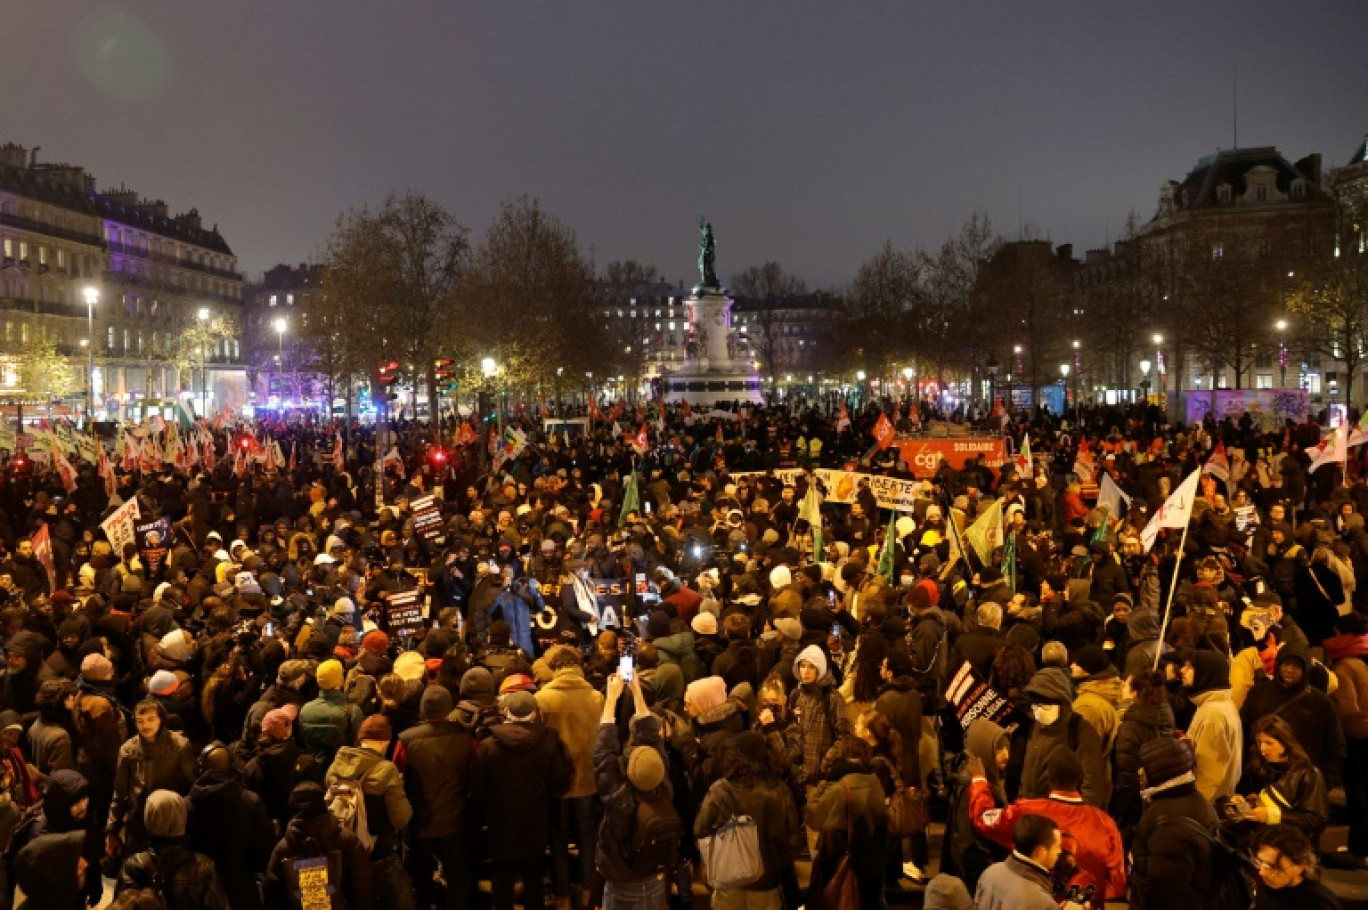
(883, 432)
(641, 441)
(466, 435)
(843, 418)
(985, 534)
(106, 471)
(1332, 449)
(337, 457)
(1111, 496)
(631, 502)
(1174, 513)
(294, 457)
(1218, 465)
(886, 555)
(1009, 566)
(392, 459)
(42, 549)
(810, 510)
(544, 412)
(1360, 432)
(1025, 467)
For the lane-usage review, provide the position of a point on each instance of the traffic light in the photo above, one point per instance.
(388, 374)
(438, 458)
(441, 372)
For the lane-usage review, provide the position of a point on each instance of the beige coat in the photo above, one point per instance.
(1217, 740)
(573, 708)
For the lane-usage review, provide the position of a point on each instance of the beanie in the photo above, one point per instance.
(176, 645)
(329, 675)
(704, 624)
(97, 668)
(343, 608)
(1091, 659)
(375, 642)
(436, 703)
(477, 683)
(645, 768)
(163, 682)
(410, 666)
(706, 693)
(1163, 759)
(919, 599)
(658, 626)
(791, 629)
(164, 815)
(519, 705)
(277, 724)
(292, 671)
(780, 577)
(376, 728)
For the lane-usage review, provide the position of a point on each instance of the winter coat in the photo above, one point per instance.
(571, 707)
(770, 804)
(1143, 626)
(327, 724)
(1293, 795)
(1096, 702)
(851, 800)
(1075, 621)
(1139, 724)
(1070, 731)
(165, 763)
(188, 879)
(272, 774)
(229, 824)
(619, 800)
(1306, 709)
(820, 718)
(519, 770)
(901, 703)
(320, 835)
(1347, 654)
(437, 776)
(1217, 741)
(979, 648)
(1170, 864)
(49, 747)
(387, 807)
(45, 870)
(1015, 883)
(742, 661)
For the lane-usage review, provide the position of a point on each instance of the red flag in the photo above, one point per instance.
(618, 409)
(1218, 465)
(106, 472)
(684, 407)
(466, 435)
(544, 412)
(338, 458)
(595, 413)
(843, 418)
(42, 548)
(884, 432)
(640, 442)
(294, 457)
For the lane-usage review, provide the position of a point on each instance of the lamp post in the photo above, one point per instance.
(92, 297)
(1144, 371)
(1077, 370)
(1064, 383)
(1160, 373)
(203, 317)
(1282, 352)
(490, 368)
(280, 324)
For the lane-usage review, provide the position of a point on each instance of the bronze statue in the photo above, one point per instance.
(707, 252)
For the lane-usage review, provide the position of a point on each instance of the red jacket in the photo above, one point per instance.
(1096, 840)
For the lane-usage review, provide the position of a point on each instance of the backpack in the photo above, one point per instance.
(347, 804)
(361, 691)
(656, 836)
(1233, 876)
(312, 878)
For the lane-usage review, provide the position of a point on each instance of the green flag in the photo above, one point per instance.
(630, 501)
(985, 534)
(890, 545)
(1009, 568)
(810, 510)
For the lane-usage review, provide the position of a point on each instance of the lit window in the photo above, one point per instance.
(289, 299)
(273, 300)
(109, 343)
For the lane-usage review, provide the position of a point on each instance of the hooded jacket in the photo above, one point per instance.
(1215, 732)
(45, 870)
(387, 807)
(315, 833)
(1096, 702)
(327, 724)
(518, 770)
(819, 714)
(1308, 710)
(165, 763)
(980, 741)
(572, 707)
(1069, 731)
(229, 824)
(1143, 629)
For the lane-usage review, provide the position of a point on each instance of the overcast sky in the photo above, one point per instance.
(807, 131)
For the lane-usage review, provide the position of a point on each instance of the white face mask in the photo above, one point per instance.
(1045, 715)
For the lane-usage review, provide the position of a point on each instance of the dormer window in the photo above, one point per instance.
(1223, 194)
(1299, 188)
(1261, 193)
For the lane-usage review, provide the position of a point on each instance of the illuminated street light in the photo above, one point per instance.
(92, 297)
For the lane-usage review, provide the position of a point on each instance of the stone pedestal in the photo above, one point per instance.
(710, 376)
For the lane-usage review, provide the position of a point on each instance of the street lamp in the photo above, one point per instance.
(280, 325)
(1144, 371)
(203, 317)
(1282, 350)
(1064, 383)
(1161, 374)
(92, 297)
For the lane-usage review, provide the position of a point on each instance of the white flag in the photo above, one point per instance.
(1334, 449)
(1175, 512)
(1111, 496)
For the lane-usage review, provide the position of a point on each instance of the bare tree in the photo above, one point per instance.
(885, 289)
(768, 287)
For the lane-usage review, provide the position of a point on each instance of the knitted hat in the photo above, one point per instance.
(780, 577)
(517, 682)
(292, 671)
(436, 703)
(658, 626)
(176, 644)
(410, 666)
(706, 693)
(704, 624)
(1163, 759)
(165, 814)
(376, 728)
(477, 683)
(519, 705)
(277, 724)
(329, 675)
(946, 892)
(375, 642)
(343, 608)
(163, 682)
(1091, 659)
(645, 768)
(97, 668)
(791, 629)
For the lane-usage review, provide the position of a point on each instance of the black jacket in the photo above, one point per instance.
(437, 778)
(612, 857)
(46, 871)
(518, 771)
(185, 878)
(350, 871)
(1306, 709)
(229, 824)
(1170, 864)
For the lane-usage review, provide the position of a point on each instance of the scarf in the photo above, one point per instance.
(587, 602)
(1186, 778)
(1268, 653)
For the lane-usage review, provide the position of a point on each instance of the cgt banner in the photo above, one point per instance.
(923, 456)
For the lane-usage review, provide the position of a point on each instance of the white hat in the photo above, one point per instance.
(780, 577)
(343, 608)
(323, 559)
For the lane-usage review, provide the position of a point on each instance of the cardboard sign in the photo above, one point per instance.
(427, 519)
(154, 542)
(404, 613)
(973, 698)
(118, 527)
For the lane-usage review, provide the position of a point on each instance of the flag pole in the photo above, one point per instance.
(1173, 587)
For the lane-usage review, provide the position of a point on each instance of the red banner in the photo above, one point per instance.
(884, 432)
(42, 549)
(924, 455)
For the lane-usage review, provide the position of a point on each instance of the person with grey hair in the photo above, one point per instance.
(980, 645)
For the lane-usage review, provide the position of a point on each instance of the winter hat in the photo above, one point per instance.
(791, 629)
(277, 724)
(291, 671)
(307, 800)
(64, 789)
(375, 642)
(97, 668)
(645, 768)
(751, 745)
(780, 577)
(519, 705)
(919, 599)
(905, 525)
(517, 682)
(376, 728)
(706, 693)
(436, 703)
(163, 682)
(410, 666)
(813, 655)
(704, 624)
(477, 684)
(165, 813)
(329, 675)
(946, 892)
(177, 644)
(658, 626)
(1163, 759)
(1091, 659)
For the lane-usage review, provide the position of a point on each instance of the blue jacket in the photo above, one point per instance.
(516, 609)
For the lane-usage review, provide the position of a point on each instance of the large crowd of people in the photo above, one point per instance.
(616, 668)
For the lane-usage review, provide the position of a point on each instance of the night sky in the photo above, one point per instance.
(807, 131)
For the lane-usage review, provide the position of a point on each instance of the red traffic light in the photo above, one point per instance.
(389, 372)
(438, 457)
(245, 442)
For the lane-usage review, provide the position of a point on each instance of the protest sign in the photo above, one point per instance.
(118, 527)
(154, 542)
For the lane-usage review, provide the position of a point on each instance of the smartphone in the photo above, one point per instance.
(835, 630)
(647, 506)
(626, 667)
(831, 599)
(270, 629)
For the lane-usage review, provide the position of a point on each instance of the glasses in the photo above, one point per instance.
(1264, 865)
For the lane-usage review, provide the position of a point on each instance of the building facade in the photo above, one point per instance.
(105, 279)
(275, 311)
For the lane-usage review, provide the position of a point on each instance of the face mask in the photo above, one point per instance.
(1045, 715)
(907, 580)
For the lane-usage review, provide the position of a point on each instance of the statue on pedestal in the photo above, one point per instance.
(707, 254)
